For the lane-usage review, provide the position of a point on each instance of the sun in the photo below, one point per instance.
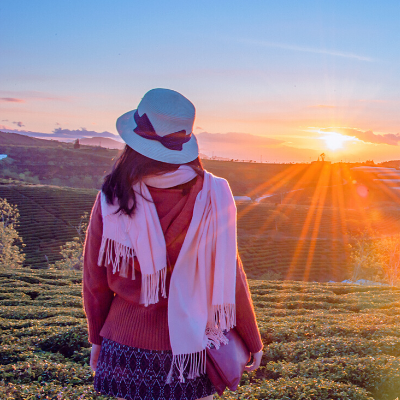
(334, 140)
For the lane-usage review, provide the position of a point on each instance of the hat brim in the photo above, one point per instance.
(151, 148)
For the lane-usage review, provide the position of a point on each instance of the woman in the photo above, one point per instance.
(162, 277)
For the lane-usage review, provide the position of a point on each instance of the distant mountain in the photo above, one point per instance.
(102, 142)
(61, 134)
(16, 139)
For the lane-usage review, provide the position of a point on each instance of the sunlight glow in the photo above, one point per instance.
(334, 141)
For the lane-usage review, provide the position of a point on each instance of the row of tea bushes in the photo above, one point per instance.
(321, 340)
(48, 217)
(310, 260)
(323, 222)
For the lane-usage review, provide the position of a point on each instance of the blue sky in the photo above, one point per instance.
(281, 69)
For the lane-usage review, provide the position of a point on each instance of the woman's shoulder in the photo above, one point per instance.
(218, 181)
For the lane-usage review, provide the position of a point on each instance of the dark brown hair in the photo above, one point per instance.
(130, 168)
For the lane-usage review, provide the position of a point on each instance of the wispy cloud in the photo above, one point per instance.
(11, 100)
(367, 136)
(18, 123)
(305, 49)
(322, 106)
(245, 146)
(378, 101)
(23, 96)
(236, 138)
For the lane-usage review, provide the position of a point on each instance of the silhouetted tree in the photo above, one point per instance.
(72, 252)
(11, 255)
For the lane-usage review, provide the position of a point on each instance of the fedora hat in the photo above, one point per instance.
(161, 127)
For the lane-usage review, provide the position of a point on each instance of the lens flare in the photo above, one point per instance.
(335, 141)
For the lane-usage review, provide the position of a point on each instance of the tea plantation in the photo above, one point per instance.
(49, 215)
(322, 340)
(268, 234)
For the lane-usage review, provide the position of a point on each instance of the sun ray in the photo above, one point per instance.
(339, 232)
(276, 181)
(306, 226)
(323, 188)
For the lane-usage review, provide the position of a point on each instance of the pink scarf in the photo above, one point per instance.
(201, 303)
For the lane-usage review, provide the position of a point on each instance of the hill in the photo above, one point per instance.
(15, 139)
(48, 219)
(288, 241)
(321, 341)
(102, 142)
(55, 163)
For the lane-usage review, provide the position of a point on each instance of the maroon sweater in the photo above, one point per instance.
(112, 302)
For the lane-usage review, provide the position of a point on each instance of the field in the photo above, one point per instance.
(48, 219)
(292, 241)
(305, 243)
(322, 340)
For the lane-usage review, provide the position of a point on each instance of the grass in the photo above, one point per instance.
(322, 340)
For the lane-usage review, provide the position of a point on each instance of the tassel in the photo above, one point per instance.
(117, 255)
(196, 362)
(151, 286)
(101, 251)
(215, 337)
(225, 316)
(124, 267)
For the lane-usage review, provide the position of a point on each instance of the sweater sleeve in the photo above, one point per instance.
(97, 296)
(246, 323)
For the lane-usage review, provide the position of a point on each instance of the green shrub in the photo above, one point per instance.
(298, 389)
(337, 342)
(67, 343)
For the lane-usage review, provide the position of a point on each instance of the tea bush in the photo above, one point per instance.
(321, 340)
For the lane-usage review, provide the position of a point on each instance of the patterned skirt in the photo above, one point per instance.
(138, 374)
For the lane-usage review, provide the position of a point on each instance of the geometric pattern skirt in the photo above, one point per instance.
(139, 374)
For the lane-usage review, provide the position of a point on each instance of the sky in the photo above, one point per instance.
(272, 81)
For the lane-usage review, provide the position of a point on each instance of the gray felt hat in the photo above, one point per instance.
(161, 128)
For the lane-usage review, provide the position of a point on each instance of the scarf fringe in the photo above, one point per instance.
(215, 337)
(151, 286)
(116, 254)
(196, 362)
(224, 316)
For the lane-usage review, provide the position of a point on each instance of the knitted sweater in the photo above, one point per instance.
(111, 302)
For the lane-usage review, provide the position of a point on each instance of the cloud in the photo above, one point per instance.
(309, 50)
(236, 138)
(245, 146)
(322, 106)
(26, 95)
(235, 145)
(18, 123)
(57, 123)
(367, 136)
(11, 100)
(4, 120)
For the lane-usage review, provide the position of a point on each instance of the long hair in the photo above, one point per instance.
(130, 168)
